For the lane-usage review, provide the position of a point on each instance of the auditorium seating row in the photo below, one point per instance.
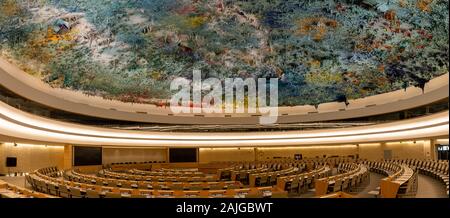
(8, 190)
(300, 183)
(143, 162)
(166, 167)
(350, 176)
(270, 178)
(164, 173)
(273, 165)
(241, 171)
(332, 161)
(50, 171)
(161, 178)
(157, 185)
(177, 170)
(401, 180)
(432, 168)
(69, 189)
(243, 175)
(385, 168)
(438, 171)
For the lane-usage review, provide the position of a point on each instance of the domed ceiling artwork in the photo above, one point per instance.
(320, 50)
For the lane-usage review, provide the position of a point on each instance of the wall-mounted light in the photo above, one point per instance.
(15, 144)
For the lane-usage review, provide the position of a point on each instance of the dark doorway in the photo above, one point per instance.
(442, 152)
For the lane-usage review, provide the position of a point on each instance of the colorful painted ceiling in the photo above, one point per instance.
(321, 50)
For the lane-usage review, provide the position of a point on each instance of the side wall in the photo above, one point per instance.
(225, 154)
(375, 151)
(307, 152)
(30, 157)
(116, 155)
